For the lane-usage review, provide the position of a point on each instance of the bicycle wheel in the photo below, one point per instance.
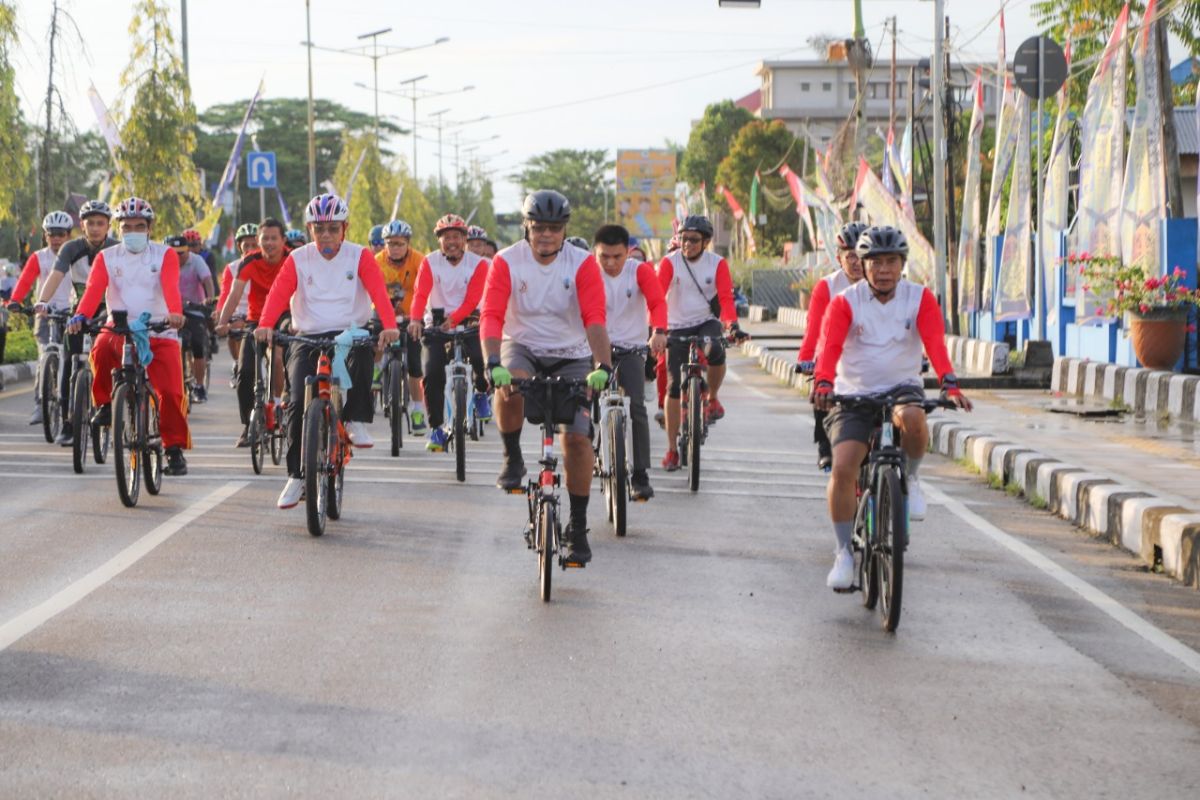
(315, 463)
(618, 477)
(547, 519)
(256, 433)
(395, 410)
(275, 437)
(890, 525)
(337, 467)
(81, 415)
(868, 574)
(101, 439)
(695, 428)
(460, 430)
(51, 412)
(152, 452)
(125, 445)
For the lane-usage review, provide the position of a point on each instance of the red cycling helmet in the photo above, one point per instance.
(450, 222)
(193, 236)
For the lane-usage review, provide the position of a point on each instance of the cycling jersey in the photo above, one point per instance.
(688, 300)
(328, 294)
(631, 298)
(871, 347)
(76, 256)
(192, 274)
(37, 269)
(402, 276)
(135, 283)
(227, 278)
(259, 274)
(545, 308)
(826, 289)
(456, 288)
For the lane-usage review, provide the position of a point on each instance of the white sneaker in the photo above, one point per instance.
(359, 436)
(842, 574)
(293, 490)
(36, 419)
(916, 500)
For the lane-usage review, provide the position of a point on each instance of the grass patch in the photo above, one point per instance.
(1014, 489)
(1039, 502)
(968, 465)
(994, 481)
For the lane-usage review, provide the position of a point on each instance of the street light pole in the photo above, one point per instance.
(438, 114)
(939, 158)
(414, 95)
(413, 83)
(312, 141)
(374, 56)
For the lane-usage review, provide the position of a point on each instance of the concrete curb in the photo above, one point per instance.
(16, 373)
(1144, 391)
(758, 314)
(795, 317)
(1155, 530)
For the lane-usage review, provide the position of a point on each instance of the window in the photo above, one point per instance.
(805, 86)
(850, 90)
(826, 86)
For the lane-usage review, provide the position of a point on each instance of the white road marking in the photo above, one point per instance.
(28, 621)
(741, 382)
(1147, 630)
(15, 392)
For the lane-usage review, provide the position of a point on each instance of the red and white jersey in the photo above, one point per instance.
(687, 300)
(37, 269)
(826, 289)
(227, 278)
(329, 295)
(135, 283)
(633, 300)
(545, 308)
(447, 286)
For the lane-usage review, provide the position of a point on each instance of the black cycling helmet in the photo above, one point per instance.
(546, 205)
(847, 238)
(699, 224)
(175, 241)
(882, 240)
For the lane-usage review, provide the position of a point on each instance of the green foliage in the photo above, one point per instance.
(578, 174)
(158, 133)
(14, 158)
(762, 146)
(21, 344)
(710, 141)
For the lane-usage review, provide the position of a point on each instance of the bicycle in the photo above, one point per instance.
(49, 371)
(693, 422)
(460, 413)
(265, 432)
(82, 407)
(393, 388)
(136, 438)
(611, 445)
(548, 402)
(880, 535)
(325, 447)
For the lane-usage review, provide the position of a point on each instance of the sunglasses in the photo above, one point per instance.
(691, 239)
(547, 227)
(327, 229)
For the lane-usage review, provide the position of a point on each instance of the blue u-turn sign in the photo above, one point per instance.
(260, 170)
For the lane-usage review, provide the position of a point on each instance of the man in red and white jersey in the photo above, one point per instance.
(246, 241)
(544, 315)
(699, 292)
(826, 289)
(138, 276)
(633, 299)
(448, 289)
(330, 285)
(872, 343)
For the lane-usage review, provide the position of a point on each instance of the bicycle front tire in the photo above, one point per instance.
(695, 435)
(81, 415)
(51, 413)
(547, 519)
(125, 446)
(460, 431)
(395, 383)
(618, 477)
(890, 528)
(316, 437)
(152, 452)
(256, 435)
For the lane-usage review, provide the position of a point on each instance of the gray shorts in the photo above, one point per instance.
(856, 424)
(519, 358)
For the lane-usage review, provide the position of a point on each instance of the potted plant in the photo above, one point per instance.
(1155, 309)
(803, 287)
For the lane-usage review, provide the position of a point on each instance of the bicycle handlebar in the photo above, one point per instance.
(323, 342)
(435, 334)
(879, 402)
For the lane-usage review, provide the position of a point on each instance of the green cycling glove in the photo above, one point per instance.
(597, 379)
(500, 376)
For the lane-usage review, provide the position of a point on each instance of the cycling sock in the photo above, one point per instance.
(844, 531)
(914, 464)
(579, 504)
(512, 446)
(418, 406)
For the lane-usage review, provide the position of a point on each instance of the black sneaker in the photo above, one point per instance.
(510, 477)
(176, 463)
(66, 436)
(244, 439)
(825, 463)
(102, 418)
(639, 485)
(578, 552)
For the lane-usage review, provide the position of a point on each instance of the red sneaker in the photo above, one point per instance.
(670, 461)
(715, 411)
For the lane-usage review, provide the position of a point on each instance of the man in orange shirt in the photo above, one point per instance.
(399, 263)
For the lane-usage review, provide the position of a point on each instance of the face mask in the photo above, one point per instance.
(135, 242)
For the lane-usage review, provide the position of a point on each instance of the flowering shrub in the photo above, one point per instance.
(1126, 289)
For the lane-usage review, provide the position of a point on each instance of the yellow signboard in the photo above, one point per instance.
(646, 192)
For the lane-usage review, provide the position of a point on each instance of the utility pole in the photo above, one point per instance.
(952, 287)
(441, 180)
(183, 39)
(937, 84)
(44, 190)
(312, 140)
(859, 57)
(892, 88)
(1170, 142)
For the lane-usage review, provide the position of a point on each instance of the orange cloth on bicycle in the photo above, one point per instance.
(402, 274)
(166, 377)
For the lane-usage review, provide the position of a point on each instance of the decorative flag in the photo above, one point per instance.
(1053, 213)
(754, 200)
(1012, 297)
(905, 176)
(889, 181)
(734, 206)
(1102, 139)
(798, 190)
(703, 198)
(396, 202)
(1143, 198)
(1001, 71)
(882, 209)
(283, 209)
(968, 237)
(235, 155)
(681, 200)
(354, 175)
(108, 128)
(1006, 147)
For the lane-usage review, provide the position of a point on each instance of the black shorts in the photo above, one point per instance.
(194, 336)
(677, 352)
(856, 424)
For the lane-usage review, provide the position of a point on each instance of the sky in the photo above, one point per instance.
(548, 73)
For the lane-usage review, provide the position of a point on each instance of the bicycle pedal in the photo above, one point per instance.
(515, 491)
(850, 590)
(573, 565)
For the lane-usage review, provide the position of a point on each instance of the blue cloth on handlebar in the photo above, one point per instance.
(140, 330)
(341, 351)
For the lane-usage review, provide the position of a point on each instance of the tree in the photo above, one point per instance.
(578, 174)
(14, 158)
(763, 147)
(709, 142)
(158, 136)
(373, 188)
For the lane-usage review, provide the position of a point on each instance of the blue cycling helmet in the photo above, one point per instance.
(296, 238)
(397, 227)
(375, 237)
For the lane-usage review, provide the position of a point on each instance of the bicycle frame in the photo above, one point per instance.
(609, 401)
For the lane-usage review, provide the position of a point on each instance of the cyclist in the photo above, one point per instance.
(329, 285)
(872, 343)
(543, 314)
(258, 269)
(136, 276)
(74, 263)
(295, 238)
(246, 240)
(477, 240)
(633, 296)
(489, 249)
(196, 245)
(699, 293)
(399, 263)
(451, 280)
(826, 289)
(195, 288)
(56, 227)
(580, 242)
(375, 239)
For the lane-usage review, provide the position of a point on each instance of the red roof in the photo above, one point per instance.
(751, 102)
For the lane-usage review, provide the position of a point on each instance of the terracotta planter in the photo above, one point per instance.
(1158, 337)
(802, 300)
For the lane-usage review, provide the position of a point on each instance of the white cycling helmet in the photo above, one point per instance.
(326, 208)
(58, 219)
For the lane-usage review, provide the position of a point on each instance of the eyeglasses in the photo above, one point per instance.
(539, 228)
(58, 232)
(691, 239)
(326, 229)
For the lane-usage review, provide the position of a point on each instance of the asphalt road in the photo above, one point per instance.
(204, 644)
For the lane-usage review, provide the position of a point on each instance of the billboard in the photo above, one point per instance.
(646, 192)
